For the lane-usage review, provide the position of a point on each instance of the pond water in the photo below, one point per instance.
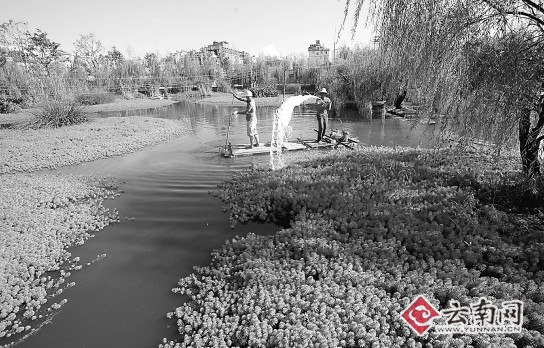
(170, 223)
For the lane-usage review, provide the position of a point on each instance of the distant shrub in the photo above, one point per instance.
(8, 105)
(95, 98)
(264, 91)
(146, 90)
(292, 88)
(128, 95)
(173, 89)
(11, 102)
(59, 111)
(223, 86)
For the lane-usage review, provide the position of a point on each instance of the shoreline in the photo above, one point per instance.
(216, 98)
(42, 214)
(25, 115)
(221, 98)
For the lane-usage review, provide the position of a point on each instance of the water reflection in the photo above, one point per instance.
(209, 124)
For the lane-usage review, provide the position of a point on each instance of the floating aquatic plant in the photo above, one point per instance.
(40, 217)
(364, 233)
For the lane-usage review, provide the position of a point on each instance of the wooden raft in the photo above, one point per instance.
(237, 150)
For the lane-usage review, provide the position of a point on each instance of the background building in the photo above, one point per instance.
(222, 51)
(318, 55)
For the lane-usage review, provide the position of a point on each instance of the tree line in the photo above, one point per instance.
(27, 59)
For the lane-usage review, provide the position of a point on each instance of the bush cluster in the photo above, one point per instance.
(9, 104)
(291, 88)
(264, 91)
(365, 233)
(98, 97)
(57, 112)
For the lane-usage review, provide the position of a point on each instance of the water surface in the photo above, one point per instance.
(174, 223)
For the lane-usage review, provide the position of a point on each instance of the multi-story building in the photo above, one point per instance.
(318, 55)
(222, 51)
(217, 52)
(195, 57)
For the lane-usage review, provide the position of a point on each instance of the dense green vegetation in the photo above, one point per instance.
(365, 233)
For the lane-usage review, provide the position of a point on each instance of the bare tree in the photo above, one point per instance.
(89, 48)
(14, 39)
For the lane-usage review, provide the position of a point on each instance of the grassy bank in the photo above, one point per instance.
(365, 233)
(26, 115)
(42, 215)
(131, 104)
(30, 150)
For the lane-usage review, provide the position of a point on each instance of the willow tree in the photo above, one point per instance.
(477, 62)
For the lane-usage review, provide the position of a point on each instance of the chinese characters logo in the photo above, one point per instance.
(481, 316)
(419, 315)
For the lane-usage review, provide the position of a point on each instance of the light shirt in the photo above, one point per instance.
(251, 109)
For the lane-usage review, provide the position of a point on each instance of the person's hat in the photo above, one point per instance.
(249, 94)
(323, 91)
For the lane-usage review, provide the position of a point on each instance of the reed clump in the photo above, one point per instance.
(58, 111)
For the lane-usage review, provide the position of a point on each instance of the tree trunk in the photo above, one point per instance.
(400, 98)
(529, 141)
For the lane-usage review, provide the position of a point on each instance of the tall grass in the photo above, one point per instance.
(57, 104)
(58, 111)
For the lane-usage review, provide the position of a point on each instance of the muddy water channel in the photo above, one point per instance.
(170, 223)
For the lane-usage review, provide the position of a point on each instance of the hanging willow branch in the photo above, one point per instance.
(476, 62)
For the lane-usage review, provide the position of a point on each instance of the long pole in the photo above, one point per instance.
(334, 45)
(284, 82)
(228, 132)
(228, 128)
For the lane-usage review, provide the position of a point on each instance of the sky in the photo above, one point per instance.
(136, 27)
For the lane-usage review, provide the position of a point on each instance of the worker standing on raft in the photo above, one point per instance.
(324, 105)
(251, 118)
